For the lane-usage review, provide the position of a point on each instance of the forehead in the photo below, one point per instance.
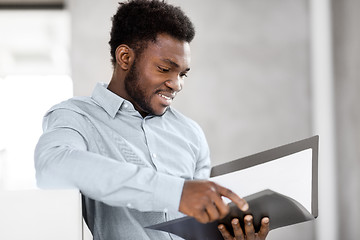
(169, 48)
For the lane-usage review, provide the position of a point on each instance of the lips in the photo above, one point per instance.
(166, 98)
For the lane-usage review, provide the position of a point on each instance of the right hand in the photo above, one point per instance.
(249, 233)
(202, 200)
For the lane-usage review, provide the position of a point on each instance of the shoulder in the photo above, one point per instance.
(76, 104)
(184, 121)
(191, 131)
(72, 112)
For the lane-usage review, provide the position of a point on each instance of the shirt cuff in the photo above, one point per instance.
(168, 192)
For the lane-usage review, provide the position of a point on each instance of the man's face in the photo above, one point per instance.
(158, 75)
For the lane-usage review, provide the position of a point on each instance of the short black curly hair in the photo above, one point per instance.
(137, 22)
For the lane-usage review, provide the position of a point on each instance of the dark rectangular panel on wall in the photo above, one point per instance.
(31, 5)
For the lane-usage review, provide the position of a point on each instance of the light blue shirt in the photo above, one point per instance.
(130, 169)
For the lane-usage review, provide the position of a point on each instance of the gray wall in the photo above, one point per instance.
(90, 33)
(249, 83)
(347, 93)
(249, 86)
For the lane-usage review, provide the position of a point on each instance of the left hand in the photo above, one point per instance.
(203, 200)
(250, 233)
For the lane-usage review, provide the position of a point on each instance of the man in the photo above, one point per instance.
(136, 160)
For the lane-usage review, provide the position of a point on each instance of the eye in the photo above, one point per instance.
(164, 70)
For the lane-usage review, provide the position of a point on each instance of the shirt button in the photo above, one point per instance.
(126, 105)
(154, 155)
(129, 205)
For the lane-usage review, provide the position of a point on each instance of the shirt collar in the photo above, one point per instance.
(111, 102)
(108, 100)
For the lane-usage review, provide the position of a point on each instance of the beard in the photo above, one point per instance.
(135, 91)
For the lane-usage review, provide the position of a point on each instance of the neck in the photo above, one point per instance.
(117, 85)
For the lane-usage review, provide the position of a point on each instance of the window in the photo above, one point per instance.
(34, 75)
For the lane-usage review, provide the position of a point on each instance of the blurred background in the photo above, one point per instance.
(264, 73)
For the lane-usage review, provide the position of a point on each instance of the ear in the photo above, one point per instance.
(124, 56)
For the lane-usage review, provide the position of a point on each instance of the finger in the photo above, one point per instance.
(249, 227)
(212, 212)
(241, 203)
(202, 217)
(222, 207)
(226, 235)
(265, 228)
(239, 235)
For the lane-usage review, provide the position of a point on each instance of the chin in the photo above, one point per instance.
(160, 112)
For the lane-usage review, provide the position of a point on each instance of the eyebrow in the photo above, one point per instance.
(173, 63)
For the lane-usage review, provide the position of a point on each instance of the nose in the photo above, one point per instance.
(176, 83)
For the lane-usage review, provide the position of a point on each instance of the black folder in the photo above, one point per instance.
(281, 209)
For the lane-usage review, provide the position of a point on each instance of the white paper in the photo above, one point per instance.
(290, 175)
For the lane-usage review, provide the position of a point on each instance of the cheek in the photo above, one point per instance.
(151, 80)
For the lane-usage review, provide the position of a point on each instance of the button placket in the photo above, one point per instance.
(152, 154)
